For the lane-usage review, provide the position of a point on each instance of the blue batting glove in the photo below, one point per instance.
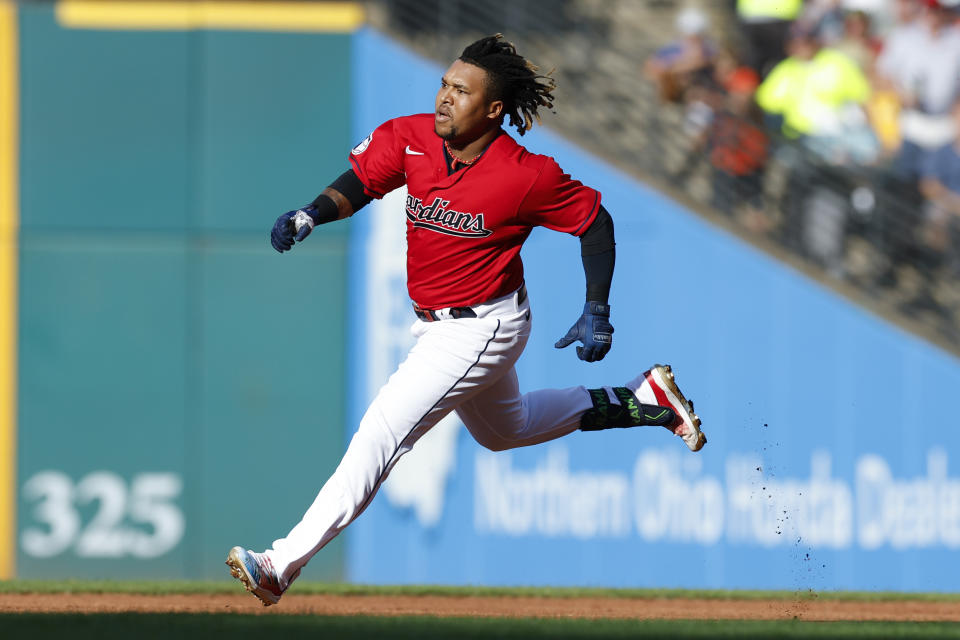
(281, 237)
(293, 225)
(593, 329)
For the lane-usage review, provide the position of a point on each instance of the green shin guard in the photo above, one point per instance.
(629, 413)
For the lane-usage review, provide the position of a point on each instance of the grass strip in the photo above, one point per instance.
(230, 586)
(149, 626)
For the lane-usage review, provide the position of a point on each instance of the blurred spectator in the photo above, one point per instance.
(728, 63)
(940, 184)
(883, 110)
(818, 93)
(890, 72)
(683, 72)
(826, 18)
(940, 179)
(907, 33)
(857, 41)
(685, 62)
(817, 96)
(877, 9)
(921, 62)
(765, 24)
(937, 257)
(703, 102)
(737, 148)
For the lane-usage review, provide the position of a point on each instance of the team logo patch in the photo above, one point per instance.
(360, 148)
(436, 217)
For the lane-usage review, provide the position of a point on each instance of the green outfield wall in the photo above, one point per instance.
(161, 341)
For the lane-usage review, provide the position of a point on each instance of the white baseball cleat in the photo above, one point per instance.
(658, 386)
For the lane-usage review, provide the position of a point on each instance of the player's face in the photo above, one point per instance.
(463, 112)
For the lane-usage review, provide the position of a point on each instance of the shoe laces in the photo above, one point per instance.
(266, 574)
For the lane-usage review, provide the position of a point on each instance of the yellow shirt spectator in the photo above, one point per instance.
(884, 112)
(809, 94)
(769, 9)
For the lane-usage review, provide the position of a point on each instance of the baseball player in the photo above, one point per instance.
(474, 195)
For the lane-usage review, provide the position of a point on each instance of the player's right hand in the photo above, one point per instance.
(293, 225)
(281, 237)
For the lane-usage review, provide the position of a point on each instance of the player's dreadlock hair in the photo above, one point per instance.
(513, 79)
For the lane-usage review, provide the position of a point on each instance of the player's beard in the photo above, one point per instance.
(451, 133)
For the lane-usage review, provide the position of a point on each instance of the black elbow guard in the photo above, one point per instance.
(352, 189)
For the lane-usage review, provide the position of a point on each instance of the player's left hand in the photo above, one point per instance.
(593, 329)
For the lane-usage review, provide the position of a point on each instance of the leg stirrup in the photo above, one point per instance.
(629, 413)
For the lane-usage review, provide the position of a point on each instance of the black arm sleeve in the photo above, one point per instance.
(352, 189)
(598, 252)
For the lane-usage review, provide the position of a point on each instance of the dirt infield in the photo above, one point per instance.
(476, 606)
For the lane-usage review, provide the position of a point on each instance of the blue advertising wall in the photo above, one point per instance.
(828, 463)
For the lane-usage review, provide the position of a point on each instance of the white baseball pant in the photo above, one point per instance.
(464, 365)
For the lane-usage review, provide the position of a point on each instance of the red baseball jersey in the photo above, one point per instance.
(465, 230)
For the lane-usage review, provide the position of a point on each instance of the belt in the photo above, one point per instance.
(431, 315)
